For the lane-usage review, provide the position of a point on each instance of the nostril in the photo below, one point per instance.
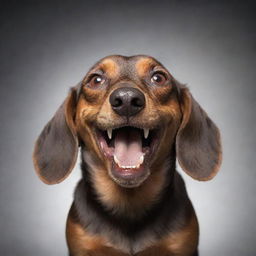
(117, 102)
(137, 102)
(116, 99)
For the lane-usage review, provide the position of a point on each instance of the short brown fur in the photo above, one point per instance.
(182, 242)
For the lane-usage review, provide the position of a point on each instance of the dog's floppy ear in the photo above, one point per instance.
(56, 148)
(198, 144)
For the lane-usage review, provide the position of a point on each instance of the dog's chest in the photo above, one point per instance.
(128, 244)
(122, 234)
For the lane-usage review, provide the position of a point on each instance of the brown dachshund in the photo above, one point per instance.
(131, 119)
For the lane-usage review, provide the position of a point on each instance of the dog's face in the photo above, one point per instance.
(127, 115)
(130, 115)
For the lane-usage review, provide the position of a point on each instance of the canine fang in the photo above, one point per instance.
(146, 133)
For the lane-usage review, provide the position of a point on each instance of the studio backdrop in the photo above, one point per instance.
(47, 46)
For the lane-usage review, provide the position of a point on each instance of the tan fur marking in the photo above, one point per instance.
(86, 114)
(79, 240)
(180, 243)
(155, 251)
(185, 241)
(82, 243)
(143, 65)
(110, 67)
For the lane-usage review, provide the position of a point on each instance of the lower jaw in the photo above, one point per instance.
(129, 177)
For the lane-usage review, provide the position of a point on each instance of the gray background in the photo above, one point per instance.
(46, 47)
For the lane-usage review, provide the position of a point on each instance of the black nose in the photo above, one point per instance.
(127, 101)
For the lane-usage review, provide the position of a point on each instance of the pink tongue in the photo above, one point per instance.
(128, 148)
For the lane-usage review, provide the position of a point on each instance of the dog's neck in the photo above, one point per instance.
(127, 201)
(130, 211)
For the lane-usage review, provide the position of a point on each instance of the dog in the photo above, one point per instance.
(131, 119)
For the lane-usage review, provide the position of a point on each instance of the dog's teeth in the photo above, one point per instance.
(109, 133)
(146, 133)
(141, 160)
(137, 166)
(129, 166)
(116, 160)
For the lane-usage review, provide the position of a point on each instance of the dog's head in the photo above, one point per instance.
(129, 114)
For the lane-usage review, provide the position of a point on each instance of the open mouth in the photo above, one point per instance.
(130, 150)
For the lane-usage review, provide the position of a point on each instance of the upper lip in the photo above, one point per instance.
(110, 130)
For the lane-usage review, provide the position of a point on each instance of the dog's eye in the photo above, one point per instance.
(158, 78)
(96, 80)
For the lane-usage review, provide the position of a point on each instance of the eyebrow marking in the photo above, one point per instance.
(143, 65)
(110, 67)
